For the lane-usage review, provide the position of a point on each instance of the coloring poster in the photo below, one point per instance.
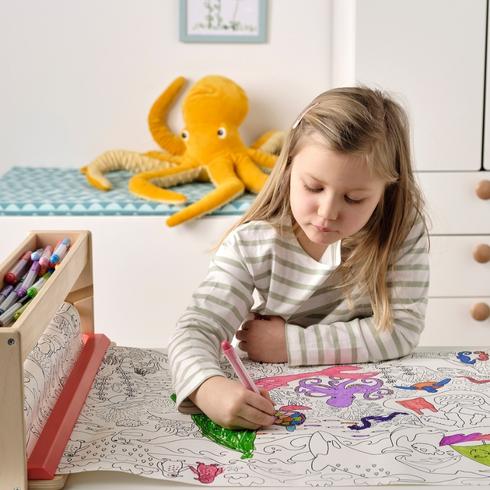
(47, 367)
(420, 420)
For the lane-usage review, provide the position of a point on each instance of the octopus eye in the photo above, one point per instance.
(221, 133)
(184, 134)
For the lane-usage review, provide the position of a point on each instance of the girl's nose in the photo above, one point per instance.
(328, 208)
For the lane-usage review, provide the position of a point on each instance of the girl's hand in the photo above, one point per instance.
(264, 339)
(231, 405)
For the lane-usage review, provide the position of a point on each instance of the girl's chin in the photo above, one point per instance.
(319, 236)
(323, 238)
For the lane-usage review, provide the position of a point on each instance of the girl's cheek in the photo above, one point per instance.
(305, 203)
(314, 201)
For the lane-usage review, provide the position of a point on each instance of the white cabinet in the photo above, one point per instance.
(431, 56)
(431, 53)
(460, 224)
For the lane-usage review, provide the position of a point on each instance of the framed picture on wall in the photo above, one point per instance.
(223, 21)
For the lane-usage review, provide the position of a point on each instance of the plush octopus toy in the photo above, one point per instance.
(209, 148)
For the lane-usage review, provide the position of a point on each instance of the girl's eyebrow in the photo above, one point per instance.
(361, 189)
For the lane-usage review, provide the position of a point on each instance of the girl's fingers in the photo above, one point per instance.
(243, 346)
(255, 416)
(260, 403)
(242, 423)
(241, 334)
(246, 325)
(265, 394)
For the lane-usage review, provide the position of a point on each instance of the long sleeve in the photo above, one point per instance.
(349, 335)
(217, 309)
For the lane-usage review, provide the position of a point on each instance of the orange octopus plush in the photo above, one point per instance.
(208, 148)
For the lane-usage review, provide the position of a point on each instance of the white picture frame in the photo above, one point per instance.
(223, 21)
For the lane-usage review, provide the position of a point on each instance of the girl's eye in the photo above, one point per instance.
(221, 133)
(313, 189)
(184, 134)
(352, 201)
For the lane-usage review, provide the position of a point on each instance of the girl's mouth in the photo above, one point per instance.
(324, 229)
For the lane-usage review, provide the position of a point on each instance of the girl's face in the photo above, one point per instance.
(332, 195)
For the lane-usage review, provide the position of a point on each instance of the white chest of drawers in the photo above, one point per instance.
(460, 285)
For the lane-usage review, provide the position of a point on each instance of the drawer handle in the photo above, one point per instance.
(481, 253)
(483, 189)
(480, 312)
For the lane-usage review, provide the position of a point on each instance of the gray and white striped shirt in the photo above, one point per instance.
(257, 269)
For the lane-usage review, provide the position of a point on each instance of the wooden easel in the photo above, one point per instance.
(72, 282)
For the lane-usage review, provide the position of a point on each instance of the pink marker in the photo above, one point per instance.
(44, 260)
(238, 366)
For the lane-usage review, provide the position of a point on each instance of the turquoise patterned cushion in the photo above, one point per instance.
(47, 191)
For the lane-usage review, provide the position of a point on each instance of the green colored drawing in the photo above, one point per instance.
(479, 453)
(238, 440)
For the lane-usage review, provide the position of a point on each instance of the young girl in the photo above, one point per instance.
(331, 259)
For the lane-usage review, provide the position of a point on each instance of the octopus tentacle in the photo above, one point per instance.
(270, 142)
(228, 187)
(265, 160)
(251, 175)
(264, 151)
(149, 184)
(163, 156)
(120, 160)
(158, 115)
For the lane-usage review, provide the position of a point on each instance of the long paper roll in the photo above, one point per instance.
(422, 419)
(47, 367)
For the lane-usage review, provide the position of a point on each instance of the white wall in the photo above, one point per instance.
(78, 78)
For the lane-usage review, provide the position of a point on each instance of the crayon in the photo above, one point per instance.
(10, 299)
(34, 289)
(59, 251)
(44, 260)
(21, 310)
(8, 314)
(37, 254)
(29, 279)
(12, 276)
(6, 290)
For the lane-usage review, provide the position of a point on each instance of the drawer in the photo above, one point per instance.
(454, 271)
(452, 204)
(449, 323)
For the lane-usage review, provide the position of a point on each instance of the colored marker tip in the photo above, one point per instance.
(225, 345)
(10, 278)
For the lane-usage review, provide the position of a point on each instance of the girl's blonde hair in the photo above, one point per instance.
(363, 122)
